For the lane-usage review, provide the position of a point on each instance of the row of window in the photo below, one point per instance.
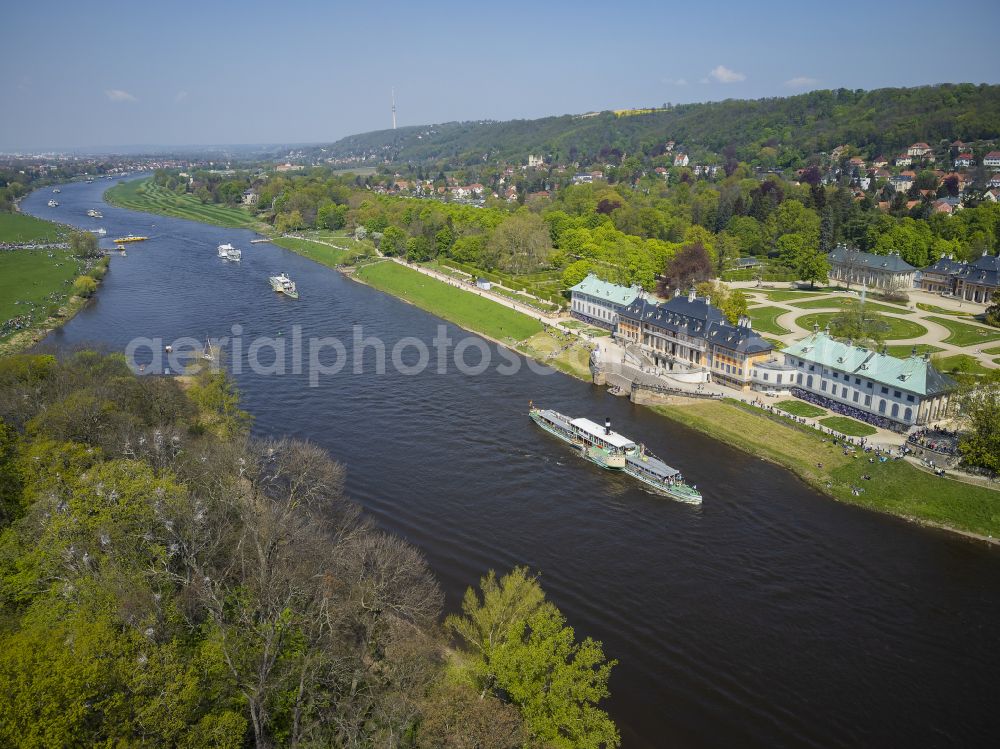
(857, 381)
(856, 398)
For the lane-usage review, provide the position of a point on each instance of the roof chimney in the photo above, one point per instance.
(677, 291)
(691, 295)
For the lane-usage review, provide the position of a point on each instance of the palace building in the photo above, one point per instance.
(869, 385)
(973, 282)
(886, 272)
(687, 334)
(598, 302)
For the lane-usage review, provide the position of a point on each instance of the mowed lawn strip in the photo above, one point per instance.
(19, 228)
(963, 334)
(850, 427)
(321, 253)
(463, 308)
(800, 408)
(764, 320)
(895, 487)
(143, 195)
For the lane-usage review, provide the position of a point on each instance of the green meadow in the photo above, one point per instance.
(31, 282)
(19, 228)
(143, 195)
(463, 308)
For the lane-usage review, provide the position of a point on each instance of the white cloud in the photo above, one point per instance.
(116, 94)
(801, 81)
(180, 96)
(675, 81)
(722, 74)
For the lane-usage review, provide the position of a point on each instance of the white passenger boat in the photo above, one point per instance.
(53, 204)
(224, 250)
(284, 285)
(615, 452)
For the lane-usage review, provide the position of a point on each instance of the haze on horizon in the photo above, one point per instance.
(81, 75)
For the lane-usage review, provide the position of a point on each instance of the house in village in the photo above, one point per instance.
(901, 182)
(992, 160)
(919, 150)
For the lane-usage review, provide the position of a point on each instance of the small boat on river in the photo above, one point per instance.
(130, 238)
(53, 204)
(284, 285)
(228, 252)
(615, 452)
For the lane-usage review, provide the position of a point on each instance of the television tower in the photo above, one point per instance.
(393, 108)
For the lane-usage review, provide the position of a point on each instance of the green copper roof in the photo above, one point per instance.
(595, 287)
(913, 374)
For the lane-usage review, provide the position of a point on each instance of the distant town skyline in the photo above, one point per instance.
(116, 73)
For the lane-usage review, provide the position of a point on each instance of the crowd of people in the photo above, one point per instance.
(845, 410)
(938, 440)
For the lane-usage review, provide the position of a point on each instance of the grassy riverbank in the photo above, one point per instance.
(463, 308)
(20, 228)
(35, 295)
(143, 195)
(896, 487)
(321, 252)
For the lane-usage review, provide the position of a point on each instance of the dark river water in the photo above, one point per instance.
(771, 616)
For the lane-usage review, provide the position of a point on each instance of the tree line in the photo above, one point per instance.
(168, 580)
(777, 132)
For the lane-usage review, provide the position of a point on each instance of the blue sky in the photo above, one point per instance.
(116, 73)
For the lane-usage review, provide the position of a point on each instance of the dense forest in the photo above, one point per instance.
(165, 580)
(876, 122)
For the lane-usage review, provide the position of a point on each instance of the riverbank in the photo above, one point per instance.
(35, 280)
(896, 487)
(464, 308)
(144, 195)
(21, 229)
